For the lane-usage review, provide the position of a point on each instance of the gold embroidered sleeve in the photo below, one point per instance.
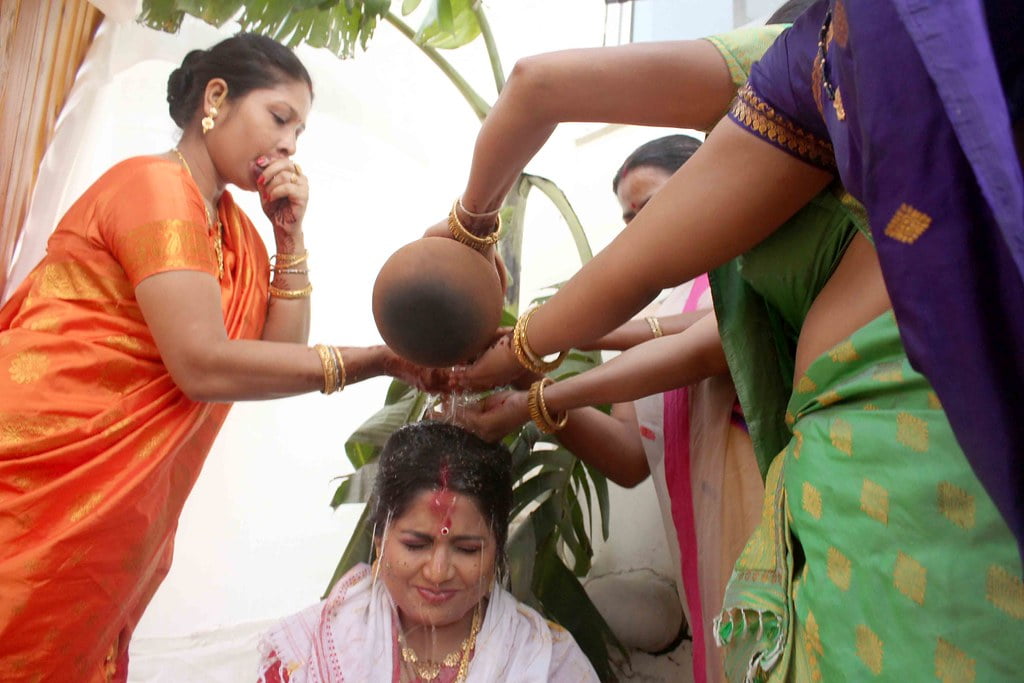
(166, 245)
(760, 118)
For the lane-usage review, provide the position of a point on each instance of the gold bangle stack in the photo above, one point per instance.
(524, 354)
(655, 326)
(291, 293)
(539, 409)
(334, 368)
(461, 234)
(280, 261)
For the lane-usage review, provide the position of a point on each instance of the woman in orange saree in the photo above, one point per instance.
(120, 354)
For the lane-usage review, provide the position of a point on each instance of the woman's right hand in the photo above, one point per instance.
(497, 367)
(491, 418)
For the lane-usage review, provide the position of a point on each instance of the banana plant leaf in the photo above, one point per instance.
(332, 24)
(449, 24)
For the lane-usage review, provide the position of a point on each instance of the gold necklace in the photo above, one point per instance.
(429, 670)
(218, 229)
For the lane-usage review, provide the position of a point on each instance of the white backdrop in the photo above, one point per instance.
(386, 149)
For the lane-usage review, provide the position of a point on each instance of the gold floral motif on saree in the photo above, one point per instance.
(838, 568)
(840, 433)
(760, 117)
(907, 224)
(912, 432)
(27, 367)
(811, 500)
(956, 504)
(910, 577)
(874, 501)
(85, 504)
(1005, 591)
(168, 245)
(870, 649)
(952, 665)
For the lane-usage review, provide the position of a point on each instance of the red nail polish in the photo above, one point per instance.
(261, 181)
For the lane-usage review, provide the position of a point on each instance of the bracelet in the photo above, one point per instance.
(287, 260)
(291, 293)
(330, 368)
(524, 354)
(461, 234)
(539, 410)
(655, 325)
(291, 271)
(339, 362)
(476, 215)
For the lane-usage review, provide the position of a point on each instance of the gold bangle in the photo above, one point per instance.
(539, 411)
(291, 293)
(655, 326)
(471, 214)
(339, 362)
(280, 260)
(461, 234)
(330, 369)
(290, 271)
(524, 354)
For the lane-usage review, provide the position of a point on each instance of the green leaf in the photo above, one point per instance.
(601, 488)
(358, 549)
(558, 198)
(409, 6)
(356, 487)
(397, 391)
(365, 443)
(566, 602)
(450, 24)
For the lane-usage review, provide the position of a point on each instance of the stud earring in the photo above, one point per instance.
(208, 121)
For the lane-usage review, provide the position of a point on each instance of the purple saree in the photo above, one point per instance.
(904, 101)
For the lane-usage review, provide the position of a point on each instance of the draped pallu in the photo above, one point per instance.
(98, 446)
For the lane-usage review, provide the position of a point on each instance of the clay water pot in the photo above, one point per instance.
(437, 302)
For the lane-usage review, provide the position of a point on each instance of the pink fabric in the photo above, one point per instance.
(677, 476)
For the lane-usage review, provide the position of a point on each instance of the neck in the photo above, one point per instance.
(434, 642)
(201, 167)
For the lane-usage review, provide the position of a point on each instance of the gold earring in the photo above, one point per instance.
(208, 120)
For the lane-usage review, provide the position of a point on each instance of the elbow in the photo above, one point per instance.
(199, 376)
(631, 478)
(530, 85)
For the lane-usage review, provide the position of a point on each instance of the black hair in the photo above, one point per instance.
(246, 62)
(429, 455)
(788, 13)
(667, 153)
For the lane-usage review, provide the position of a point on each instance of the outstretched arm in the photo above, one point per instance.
(683, 84)
(734, 191)
(182, 310)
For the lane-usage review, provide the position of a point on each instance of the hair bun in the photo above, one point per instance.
(179, 85)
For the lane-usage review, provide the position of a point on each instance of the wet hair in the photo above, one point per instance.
(667, 153)
(427, 456)
(246, 62)
(788, 13)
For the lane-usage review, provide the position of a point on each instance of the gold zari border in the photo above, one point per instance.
(759, 117)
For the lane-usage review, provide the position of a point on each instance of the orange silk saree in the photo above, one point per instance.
(98, 446)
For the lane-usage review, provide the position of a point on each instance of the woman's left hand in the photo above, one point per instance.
(491, 418)
(430, 380)
(284, 193)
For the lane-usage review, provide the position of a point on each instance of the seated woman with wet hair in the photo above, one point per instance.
(430, 607)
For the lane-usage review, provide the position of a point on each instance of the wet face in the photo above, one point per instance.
(437, 560)
(264, 122)
(637, 187)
